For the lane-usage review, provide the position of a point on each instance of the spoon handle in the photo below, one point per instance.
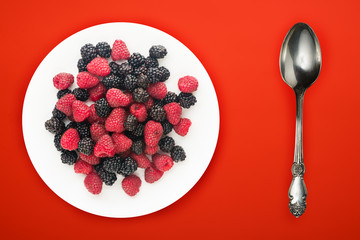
(297, 190)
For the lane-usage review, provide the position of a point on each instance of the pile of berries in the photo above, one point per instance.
(119, 116)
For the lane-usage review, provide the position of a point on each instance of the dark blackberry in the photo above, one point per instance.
(106, 177)
(69, 157)
(138, 146)
(158, 102)
(154, 75)
(186, 100)
(103, 49)
(54, 125)
(81, 94)
(130, 122)
(165, 74)
(170, 97)
(71, 125)
(151, 62)
(125, 69)
(111, 81)
(157, 113)
(167, 127)
(114, 68)
(136, 60)
(178, 154)
(140, 70)
(139, 130)
(102, 108)
(57, 142)
(83, 129)
(132, 136)
(128, 166)
(166, 144)
(88, 52)
(140, 95)
(81, 65)
(112, 164)
(86, 146)
(58, 114)
(62, 93)
(157, 51)
(142, 81)
(130, 82)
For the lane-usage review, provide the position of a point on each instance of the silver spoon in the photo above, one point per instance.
(300, 63)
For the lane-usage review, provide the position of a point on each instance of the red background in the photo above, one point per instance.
(243, 193)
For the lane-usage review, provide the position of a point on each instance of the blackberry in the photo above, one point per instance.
(166, 144)
(102, 108)
(86, 146)
(103, 49)
(57, 142)
(170, 97)
(58, 114)
(71, 125)
(54, 125)
(112, 81)
(167, 127)
(125, 69)
(157, 113)
(132, 136)
(140, 70)
(69, 157)
(128, 166)
(88, 52)
(62, 93)
(157, 51)
(138, 146)
(164, 74)
(178, 154)
(186, 100)
(142, 81)
(151, 62)
(81, 65)
(154, 74)
(114, 68)
(136, 60)
(139, 130)
(81, 94)
(106, 177)
(112, 164)
(130, 82)
(140, 95)
(130, 122)
(83, 129)
(158, 102)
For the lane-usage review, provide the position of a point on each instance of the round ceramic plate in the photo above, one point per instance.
(199, 144)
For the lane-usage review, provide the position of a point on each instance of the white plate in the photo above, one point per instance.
(199, 144)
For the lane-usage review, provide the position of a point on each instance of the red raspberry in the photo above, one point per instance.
(97, 130)
(64, 104)
(151, 150)
(162, 162)
(142, 160)
(104, 147)
(122, 142)
(173, 112)
(93, 117)
(116, 98)
(149, 103)
(99, 67)
(91, 159)
(125, 154)
(188, 84)
(129, 95)
(97, 92)
(152, 133)
(115, 121)
(93, 183)
(85, 80)
(157, 90)
(183, 126)
(63, 80)
(131, 185)
(119, 51)
(81, 111)
(152, 174)
(70, 139)
(139, 111)
(83, 167)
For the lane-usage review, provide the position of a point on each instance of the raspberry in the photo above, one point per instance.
(140, 95)
(88, 52)
(186, 100)
(97, 131)
(139, 111)
(151, 150)
(93, 183)
(162, 162)
(64, 104)
(70, 139)
(130, 122)
(83, 129)
(141, 159)
(86, 80)
(86, 146)
(138, 146)
(93, 117)
(149, 103)
(167, 127)
(91, 159)
(114, 69)
(152, 174)
(97, 92)
(152, 133)
(164, 74)
(157, 51)
(81, 65)
(115, 121)
(173, 112)
(178, 154)
(125, 69)
(183, 126)
(104, 147)
(83, 167)
(62, 93)
(128, 167)
(99, 67)
(54, 125)
(81, 111)
(116, 98)
(63, 80)
(170, 97)
(112, 164)
(112, 81)
(119, 51)
(57, 142)
(142, 81)
(157, 113)
(129, 95)
(130, 82)
(69, 157)
(136, 60)
(81, 94)
(188, 84)
(58, 114)
(103, 49)
(151, 62)
(157, 90)
(106, 177)
(122, 143)
(131, 185)
(166, 144)
(102, 108)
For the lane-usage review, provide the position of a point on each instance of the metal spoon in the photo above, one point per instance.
(300, 63)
